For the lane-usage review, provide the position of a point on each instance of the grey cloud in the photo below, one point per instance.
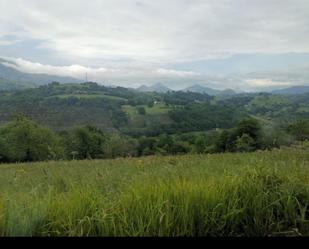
(161, 31)
(137, 42)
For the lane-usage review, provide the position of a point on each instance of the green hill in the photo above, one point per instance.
(116, 109)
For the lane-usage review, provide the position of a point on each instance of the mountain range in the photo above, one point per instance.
(159, 87)
(210, 91)
(292, 90)
(13, 79)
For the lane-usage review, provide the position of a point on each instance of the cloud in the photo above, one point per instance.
(110, 75)
(159, 31)
(222, 44)
(175, 73)
(266, 83)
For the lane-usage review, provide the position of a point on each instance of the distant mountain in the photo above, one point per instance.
(159, 87)
(11, 78)
(227, 92)
(201, 89)
(210, 91)
(292, 90)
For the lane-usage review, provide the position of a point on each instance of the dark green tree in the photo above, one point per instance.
(245, 143)
(120, 146)
(299, 129)
(85, 143)
(141, 110)
(251, 127)
(23, 140)
(200, 144)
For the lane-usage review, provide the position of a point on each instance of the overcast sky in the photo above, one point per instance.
(220, 43)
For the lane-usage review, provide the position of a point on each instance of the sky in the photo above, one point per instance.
(236, 44)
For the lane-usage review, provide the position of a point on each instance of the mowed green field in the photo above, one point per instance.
(254, 194)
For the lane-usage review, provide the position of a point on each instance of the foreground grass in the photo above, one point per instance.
(254, 194)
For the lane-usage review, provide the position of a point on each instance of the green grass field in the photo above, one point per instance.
(156, 109)
(254, 194)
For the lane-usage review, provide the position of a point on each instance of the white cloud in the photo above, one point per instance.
(76, 71)
(258, 83)
(134, 76)
(5, 43)
(113, 75)
(175, 73)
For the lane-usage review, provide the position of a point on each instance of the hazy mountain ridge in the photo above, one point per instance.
(210, 91)
(159, 87)
(292, 90)
(12, 79)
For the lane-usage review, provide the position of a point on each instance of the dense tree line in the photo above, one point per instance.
(22, 140)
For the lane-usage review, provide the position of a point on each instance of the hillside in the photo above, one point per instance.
(12, 79)
(63, 106)
(256, 194)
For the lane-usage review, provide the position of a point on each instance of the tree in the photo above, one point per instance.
(299, 129)
(120, 146)
(141, 110)
(150, 104)
(245, 143)
(146, 146)
(224, 141)
(200, 144)
(85, 143)
(179, 148)
(164, 143)
(252, 128)
(23, 140)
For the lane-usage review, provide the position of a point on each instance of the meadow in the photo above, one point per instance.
(241, 194)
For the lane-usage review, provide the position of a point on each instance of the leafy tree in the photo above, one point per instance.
(120, 146)
(200, 144)
(165, 142)
(85, 143)
(275, 135)
(23, 140)
(146, 146)
(179, 148)
(245, 143)
(252, 128)
(141, 110)
(226, 141)
(299, 129)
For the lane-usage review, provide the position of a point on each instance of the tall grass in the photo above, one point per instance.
(254, 194)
